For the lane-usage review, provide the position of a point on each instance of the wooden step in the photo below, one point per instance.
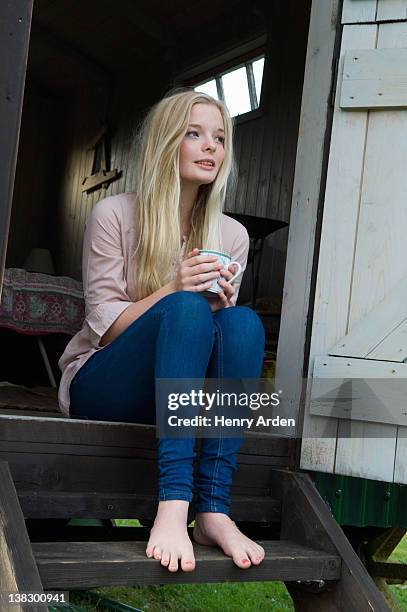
(74, 533)
(71, 565)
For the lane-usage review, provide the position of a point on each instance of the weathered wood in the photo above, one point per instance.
(80, 565)
(358, 204)
(18, 571)
(381, 334)
(374, 79)
(307, 191)
(381, 201)
(75, 473)
(308, 520)
(102, 178)
(392, 192)
(361, 390)
(391, 10)
(400, 464)
(358, 11)
(385, 569)
(67, 467)
(15, 21)
(126, 435)
(119, 451)
(330, 313)
(73, 533)
(55, 504)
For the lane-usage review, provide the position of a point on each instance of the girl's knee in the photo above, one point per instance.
(245, 322)
(185, 297)
(188, 304)
(243, 316)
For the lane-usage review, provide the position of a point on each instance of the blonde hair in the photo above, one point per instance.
(157, 197)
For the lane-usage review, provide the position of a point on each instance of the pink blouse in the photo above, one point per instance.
(108, 269)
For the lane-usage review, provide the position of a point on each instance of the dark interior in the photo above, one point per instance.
(99, 65)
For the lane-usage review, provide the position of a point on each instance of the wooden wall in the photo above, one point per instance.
(38, 176)
(265, 148)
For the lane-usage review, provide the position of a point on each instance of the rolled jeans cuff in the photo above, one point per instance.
(211, 507)
(168, 494)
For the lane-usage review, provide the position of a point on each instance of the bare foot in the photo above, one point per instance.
(169, 539)
(218, 529)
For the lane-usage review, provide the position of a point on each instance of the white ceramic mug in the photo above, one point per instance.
(225, 259)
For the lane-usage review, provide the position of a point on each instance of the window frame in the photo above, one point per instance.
(214, 68)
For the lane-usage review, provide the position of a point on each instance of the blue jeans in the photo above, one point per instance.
(178, 337)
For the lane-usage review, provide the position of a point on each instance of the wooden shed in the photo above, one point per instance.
(322, 148)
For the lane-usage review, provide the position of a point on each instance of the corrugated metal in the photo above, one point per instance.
(361, 502)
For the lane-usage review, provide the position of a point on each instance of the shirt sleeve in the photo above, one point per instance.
(240, 252)
(104, 283)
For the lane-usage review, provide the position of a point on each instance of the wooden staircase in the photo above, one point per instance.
(67, 565)
(48, 474)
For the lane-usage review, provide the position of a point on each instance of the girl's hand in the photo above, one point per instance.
(197, 272)
(223, 297)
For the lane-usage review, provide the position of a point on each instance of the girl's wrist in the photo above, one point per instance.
(170, 287)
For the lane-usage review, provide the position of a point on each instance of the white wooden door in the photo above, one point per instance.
(359, 327)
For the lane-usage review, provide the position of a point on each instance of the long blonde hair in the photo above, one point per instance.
(157, 197)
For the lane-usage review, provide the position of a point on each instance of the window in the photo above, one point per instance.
(239, 88)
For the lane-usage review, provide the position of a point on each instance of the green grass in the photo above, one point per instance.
(400, 590)
(228, 597)
(245, 597)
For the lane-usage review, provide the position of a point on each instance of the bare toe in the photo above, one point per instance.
(242, 561)
(187, 565)
(149, 551)
(173, 566)
(157, 553)
(256, 555)
(165, 559)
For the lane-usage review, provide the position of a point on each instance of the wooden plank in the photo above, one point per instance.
(339, 227)
(390, 10)
(86, 128)
(104, 474)
(83, 565)
(18, 570)
(361, 390)
(73, 531)
(257, 127)
(374, 79)
(377, 335)
(308, 520)
(15, 22)
(368, 64)
(246, 136)
(379, 261)
(357, 450)
(359, 11)
(45, 531)
(393, 347)
(394, 34)
(57, 504)
(112, 434)
(306, 193)
(400, 464)
(32, 448)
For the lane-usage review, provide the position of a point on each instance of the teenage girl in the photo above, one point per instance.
(147, 317)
